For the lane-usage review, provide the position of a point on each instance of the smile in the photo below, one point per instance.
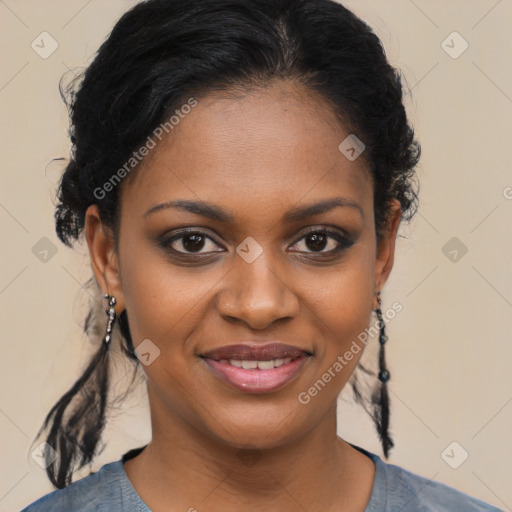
(253, 376)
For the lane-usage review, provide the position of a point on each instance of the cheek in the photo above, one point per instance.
(162, 300)
(347, 320)
(343, 308)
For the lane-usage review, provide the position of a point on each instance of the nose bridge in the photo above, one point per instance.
(255, 292)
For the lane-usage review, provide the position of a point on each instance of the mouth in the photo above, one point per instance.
(257, 368)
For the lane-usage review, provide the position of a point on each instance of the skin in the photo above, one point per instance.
(257, 156)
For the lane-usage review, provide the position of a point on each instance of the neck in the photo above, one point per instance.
(184, 466)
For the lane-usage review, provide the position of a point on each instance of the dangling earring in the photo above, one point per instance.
(111, 313)
(381, 397)
(384, 374)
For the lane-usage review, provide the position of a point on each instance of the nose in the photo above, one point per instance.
(256, 294)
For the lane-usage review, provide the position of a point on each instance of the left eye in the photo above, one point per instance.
(318, 240)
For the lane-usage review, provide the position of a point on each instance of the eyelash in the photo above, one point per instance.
(343, 241)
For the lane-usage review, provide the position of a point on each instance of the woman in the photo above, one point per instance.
(240, 169)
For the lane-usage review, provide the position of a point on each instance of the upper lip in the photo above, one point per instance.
(256, 352)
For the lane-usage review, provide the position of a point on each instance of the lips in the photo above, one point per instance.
(256, 352)
(254, 368)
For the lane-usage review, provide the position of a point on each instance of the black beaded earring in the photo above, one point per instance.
(380, 397)
(384, 374)
(111, 313)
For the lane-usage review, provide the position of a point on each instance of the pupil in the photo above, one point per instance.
(318, 242)
(193, 242)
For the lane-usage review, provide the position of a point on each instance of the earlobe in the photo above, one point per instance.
(104, 259)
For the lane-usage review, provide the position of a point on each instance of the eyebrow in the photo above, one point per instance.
(216, 213)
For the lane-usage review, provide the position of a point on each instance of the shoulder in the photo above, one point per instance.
(396, 488)
(93, 493)
(419, 494)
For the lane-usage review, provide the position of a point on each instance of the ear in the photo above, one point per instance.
(386, 246)
(104, 259)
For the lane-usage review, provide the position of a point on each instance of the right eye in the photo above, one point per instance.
(189, 241)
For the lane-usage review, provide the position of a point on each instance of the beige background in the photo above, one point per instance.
(450, 349)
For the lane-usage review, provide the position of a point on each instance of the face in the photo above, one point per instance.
(249, 271)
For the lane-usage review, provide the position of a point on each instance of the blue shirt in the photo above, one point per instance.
(394, 489)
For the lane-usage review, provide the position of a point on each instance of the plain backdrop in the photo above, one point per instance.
(449, 349)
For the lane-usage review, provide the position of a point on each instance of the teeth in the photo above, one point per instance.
(265, 365)
(261, 365)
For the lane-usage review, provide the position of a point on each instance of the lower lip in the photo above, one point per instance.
(257, 381)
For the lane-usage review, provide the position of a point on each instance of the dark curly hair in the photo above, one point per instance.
(162, 52)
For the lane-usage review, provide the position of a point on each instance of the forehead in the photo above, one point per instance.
(255, 153)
